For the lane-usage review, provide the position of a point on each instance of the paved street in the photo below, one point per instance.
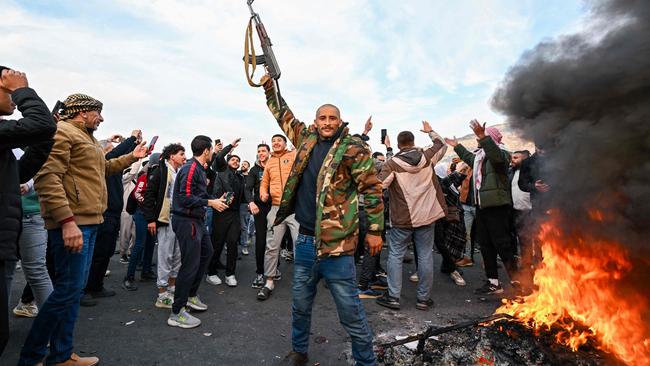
(239, 330)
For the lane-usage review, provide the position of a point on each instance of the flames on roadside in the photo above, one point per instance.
(582, 292)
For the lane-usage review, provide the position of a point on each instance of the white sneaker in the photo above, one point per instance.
(457, 278)
(26, 310)
(108, 273)
(213, 280)
(231, 281)
(183, 320)
(244, 251)
(414, 278)
(165, 300)
(195, 303)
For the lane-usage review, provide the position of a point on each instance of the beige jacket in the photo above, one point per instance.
(72, 182)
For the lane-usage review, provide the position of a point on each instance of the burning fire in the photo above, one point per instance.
(579, 290)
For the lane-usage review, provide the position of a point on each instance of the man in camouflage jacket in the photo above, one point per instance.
(332, 169)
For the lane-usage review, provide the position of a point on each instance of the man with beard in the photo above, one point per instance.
(332, 168)
(71, 187)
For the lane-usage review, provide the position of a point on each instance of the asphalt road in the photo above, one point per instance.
(239, 330)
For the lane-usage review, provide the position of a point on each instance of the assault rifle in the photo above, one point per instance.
(267, 58)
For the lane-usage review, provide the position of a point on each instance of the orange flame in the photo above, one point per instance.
(579, 281)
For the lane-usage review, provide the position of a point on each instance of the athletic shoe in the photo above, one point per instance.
(369, 294)
(108, 273)
(213, 280)
(231, 281)
(379, 283)
(264, 293)
(129, 284)
(283, 253)
(414, 277)
(258, 282)
(244, 251)
(183, 320)
(489, 289)
(124, 259)
(289, 256)
(388, 301)
(164, 301)
(29, 310)
(196, 304)
(278, 275)
(382, 273)
(457, 278)
(465, 262)
(424, 304)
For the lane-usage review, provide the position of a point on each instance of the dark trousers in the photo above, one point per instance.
(370, 263)
(196, 251)
(448, 263)
(225, 230)
(4, 304)
(493, 231)
(104, 248)
(260, 239)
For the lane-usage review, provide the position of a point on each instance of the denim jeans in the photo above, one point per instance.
(340, 276)
(33, 245)
(142, 240)
(247, 226)
(423, 240)
(56, 318)
(208, 219)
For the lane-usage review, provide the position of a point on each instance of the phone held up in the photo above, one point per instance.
(152, 145)
(383, 136)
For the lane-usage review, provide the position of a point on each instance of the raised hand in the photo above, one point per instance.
(368, 127)
(235, 143)
(451, 142)
(478, 128)
(426, 127)
(140, 151)
(10, 80)
(387, 141)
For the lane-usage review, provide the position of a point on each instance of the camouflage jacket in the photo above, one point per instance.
(347, 172)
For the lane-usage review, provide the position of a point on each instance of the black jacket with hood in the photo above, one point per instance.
(33, 132)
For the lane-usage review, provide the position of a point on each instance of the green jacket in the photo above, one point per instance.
(495, 187)
(347, 172)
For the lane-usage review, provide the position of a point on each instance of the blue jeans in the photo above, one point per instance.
(208, 219)
(33, 245)
(247, 226)
(56, 318)
(341, 279)
(142, 240)
(397, 245)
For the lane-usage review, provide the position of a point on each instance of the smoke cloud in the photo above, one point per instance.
(586, 98)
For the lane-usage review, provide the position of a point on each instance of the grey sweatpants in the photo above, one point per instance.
(274, 235)
(169, 256)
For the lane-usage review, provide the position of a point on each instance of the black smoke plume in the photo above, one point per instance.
(586, 98)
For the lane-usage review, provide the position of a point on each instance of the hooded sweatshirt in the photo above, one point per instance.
(409, 178)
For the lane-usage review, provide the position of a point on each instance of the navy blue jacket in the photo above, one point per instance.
(114, 185)
(191, 191)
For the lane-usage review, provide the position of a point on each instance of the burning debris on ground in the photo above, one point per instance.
(502, 343)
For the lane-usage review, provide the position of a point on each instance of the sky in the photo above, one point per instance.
(174, 68)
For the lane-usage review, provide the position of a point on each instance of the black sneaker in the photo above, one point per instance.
(489, 289)
(129, 284)
(87, 300)
(148, 276)
(388, 301)
(382, 273)
(295, 359)
(104, 292)
(124, 259)
(264, 293)
(424, 304)
(258, 282)
(380, 283)
(289, 257)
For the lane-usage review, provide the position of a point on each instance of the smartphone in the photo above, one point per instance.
(152, 144)
(229, 197)
(383, 136)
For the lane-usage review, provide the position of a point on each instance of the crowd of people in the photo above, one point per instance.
(69, 202)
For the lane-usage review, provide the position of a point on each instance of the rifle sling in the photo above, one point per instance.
(249, 46)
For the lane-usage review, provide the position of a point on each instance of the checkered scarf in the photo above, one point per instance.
(77, 103)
